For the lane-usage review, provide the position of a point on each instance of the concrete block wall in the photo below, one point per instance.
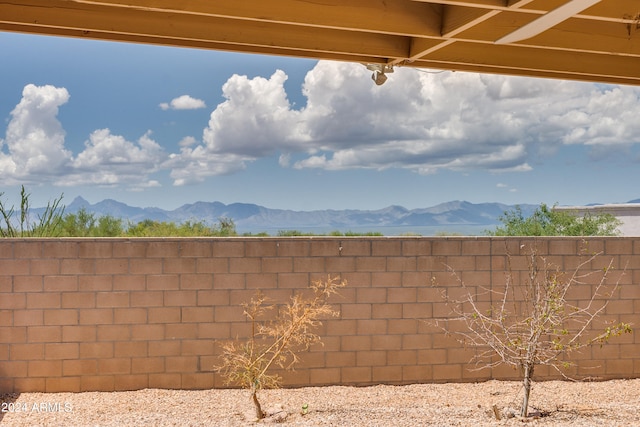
(126, 314)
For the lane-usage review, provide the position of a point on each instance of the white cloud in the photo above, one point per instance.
(424, 122)
(35, 148)
(184, 102)
(110, 160)
(35, 138)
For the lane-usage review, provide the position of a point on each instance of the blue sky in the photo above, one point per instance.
(160, 126)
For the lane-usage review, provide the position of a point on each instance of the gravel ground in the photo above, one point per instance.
(553, 403)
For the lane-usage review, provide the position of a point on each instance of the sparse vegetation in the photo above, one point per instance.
(21, 223)
(547, 221)
(535, 322)
(276, 342)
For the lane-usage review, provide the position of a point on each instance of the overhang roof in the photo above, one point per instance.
(589, 39)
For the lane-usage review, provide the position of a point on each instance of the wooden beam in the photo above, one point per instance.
(400, 17)
(133, 24)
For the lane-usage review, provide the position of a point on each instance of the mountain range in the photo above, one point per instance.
(254, 218)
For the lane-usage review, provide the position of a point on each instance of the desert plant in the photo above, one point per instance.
(545, 221)
(276, 342)
(47, 225)
(534, 323)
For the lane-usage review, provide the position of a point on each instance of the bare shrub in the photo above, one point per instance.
(276, 342)
(532, 321)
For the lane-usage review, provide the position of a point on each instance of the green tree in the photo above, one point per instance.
(150, 228)
(85, 224)
(547, 221)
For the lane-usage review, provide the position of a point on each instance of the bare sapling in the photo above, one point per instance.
(535, 321)
(276, 342)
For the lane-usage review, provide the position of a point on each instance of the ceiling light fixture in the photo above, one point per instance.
(379, 72)
(547, 21)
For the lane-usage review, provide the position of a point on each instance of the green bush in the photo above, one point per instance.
(547, 221)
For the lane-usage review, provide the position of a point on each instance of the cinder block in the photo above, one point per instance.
(371, 358)
(215, 331)
(163, 282)
(371, 327)
(147, 332)
(129, 282)
(14, 267)
(114, 366)
(371, 264)
(38, 300)
(185, 364)
(198, 314)
(416, 246)
(44, 368)
(97, 383)
(417, 373)
(31, 351)
(355, 343)
(61, 317)
(130, 249)
(212, 297)
(96, 316)
(42, 267)
(181, 331)
(255, 281)
(147, 365)
(355, 311)
(197, 347)
(59, 249)
(356, 375)
(131, 382)
(163, 315)
(324, 376)
(114, 332)
(42, 334)
(179, 266)
(95, 249)
(95, 283)
(162, 249)
(212, 265)
(446, 246)
(60, 283)
(386, 342)
(309, 265)
(402, 264)
(293, 247)
(401, 295)
(32, 283)
(27, 249)
(13, 301)
(371, 295)
(28, 317)
(62, 385)
(164, 348)
(228, 281)
(112, 299)
(165, 380)
(78, 299)
(196, 281)
(390, 247)
(111, 266)
(145, 266)
(197, 381)
(81, 367)
(228, 248)
(196, 248)
(146, 298)
(260, 248)
(78, 334)
(29, 385)
(129, 315)
(387, 374)
(77, 266)
(56, 351)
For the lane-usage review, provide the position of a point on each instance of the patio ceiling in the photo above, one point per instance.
(579, 39)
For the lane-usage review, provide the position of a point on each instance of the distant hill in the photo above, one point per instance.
(251, 217)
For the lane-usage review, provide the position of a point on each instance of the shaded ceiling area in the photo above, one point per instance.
(587, 40)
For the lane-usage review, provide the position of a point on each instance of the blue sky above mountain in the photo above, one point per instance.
(159, 126)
